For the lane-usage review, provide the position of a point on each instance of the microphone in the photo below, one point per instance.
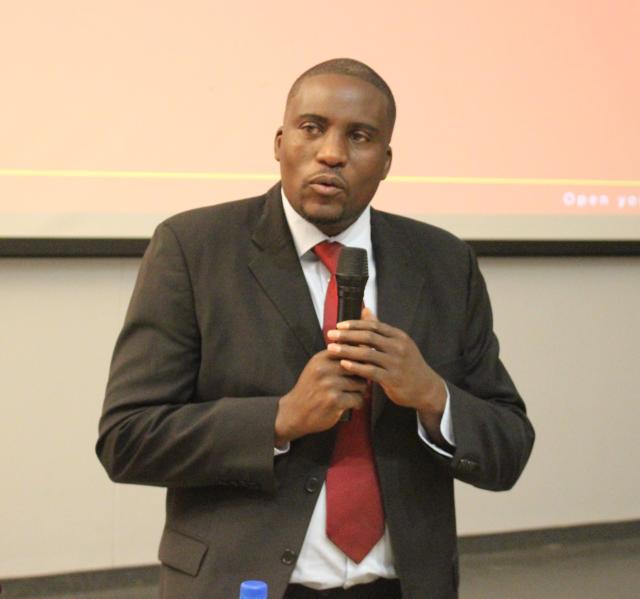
(352, 273)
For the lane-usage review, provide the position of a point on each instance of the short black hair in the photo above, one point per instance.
(351, 68)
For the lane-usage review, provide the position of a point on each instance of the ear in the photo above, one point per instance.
(277, 142)
(387, 164)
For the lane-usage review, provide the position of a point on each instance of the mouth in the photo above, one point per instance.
(327, 185)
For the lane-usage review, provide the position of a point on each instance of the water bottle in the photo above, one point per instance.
(254, 589)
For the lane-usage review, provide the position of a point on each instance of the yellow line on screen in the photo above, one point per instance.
(210, 176)
(89, 174)
(516, 181)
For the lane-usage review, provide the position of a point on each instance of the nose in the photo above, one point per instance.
(332, 150)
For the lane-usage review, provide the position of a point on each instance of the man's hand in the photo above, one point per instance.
(323, 392)
(387, 356)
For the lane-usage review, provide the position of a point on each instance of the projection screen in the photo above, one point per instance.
(516, 120)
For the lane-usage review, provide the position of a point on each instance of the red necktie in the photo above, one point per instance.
(355, 518)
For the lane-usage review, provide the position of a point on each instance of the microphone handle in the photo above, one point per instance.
(350, 299)
(349, 307)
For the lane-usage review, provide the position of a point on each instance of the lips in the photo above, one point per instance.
(327, 184)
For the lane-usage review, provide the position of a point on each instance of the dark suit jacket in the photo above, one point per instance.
(221, 324)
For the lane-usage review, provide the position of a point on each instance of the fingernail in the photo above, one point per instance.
(333, 334)
(334, 347)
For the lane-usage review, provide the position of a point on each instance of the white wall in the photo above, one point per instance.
(569, 329)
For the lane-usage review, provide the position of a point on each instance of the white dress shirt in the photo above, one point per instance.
(321, 565)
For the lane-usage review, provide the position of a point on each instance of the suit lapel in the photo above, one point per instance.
(400, 284)
(276, 266)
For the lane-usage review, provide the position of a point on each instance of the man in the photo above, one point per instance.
(223, 389)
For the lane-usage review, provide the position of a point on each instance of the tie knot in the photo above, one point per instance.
(329, 254)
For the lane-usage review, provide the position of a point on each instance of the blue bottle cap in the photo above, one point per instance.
(253, 589)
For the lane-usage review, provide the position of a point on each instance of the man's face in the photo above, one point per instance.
(333, 149)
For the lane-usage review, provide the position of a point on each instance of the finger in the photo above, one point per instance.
(366, 371)
(373, 325)
(353, 337)
(351, 401)
(353, 384)
(367, 314)
(358, 353)
(329, 362)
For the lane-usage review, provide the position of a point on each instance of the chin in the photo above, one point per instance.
(322, 212)
(329, 224)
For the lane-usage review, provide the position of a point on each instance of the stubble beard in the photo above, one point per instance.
(329, 225)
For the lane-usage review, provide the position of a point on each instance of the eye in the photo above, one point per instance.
(311, 128)
(359, 136)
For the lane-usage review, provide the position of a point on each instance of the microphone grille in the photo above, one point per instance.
(353, 263)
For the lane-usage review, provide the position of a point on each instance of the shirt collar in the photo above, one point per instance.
(305, 235)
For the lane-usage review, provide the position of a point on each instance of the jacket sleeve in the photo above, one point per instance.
(493, 435)
(154, 428)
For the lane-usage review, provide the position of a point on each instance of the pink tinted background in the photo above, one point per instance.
(484, 89)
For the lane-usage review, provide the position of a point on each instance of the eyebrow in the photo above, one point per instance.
(367, 127)
(324, 121)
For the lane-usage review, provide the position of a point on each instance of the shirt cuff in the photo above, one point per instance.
(446, 429)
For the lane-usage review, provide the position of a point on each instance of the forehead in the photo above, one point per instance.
(339, 97)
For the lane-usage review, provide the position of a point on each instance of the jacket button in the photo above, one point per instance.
(312, 484)
(466, 465)
(288, 557)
